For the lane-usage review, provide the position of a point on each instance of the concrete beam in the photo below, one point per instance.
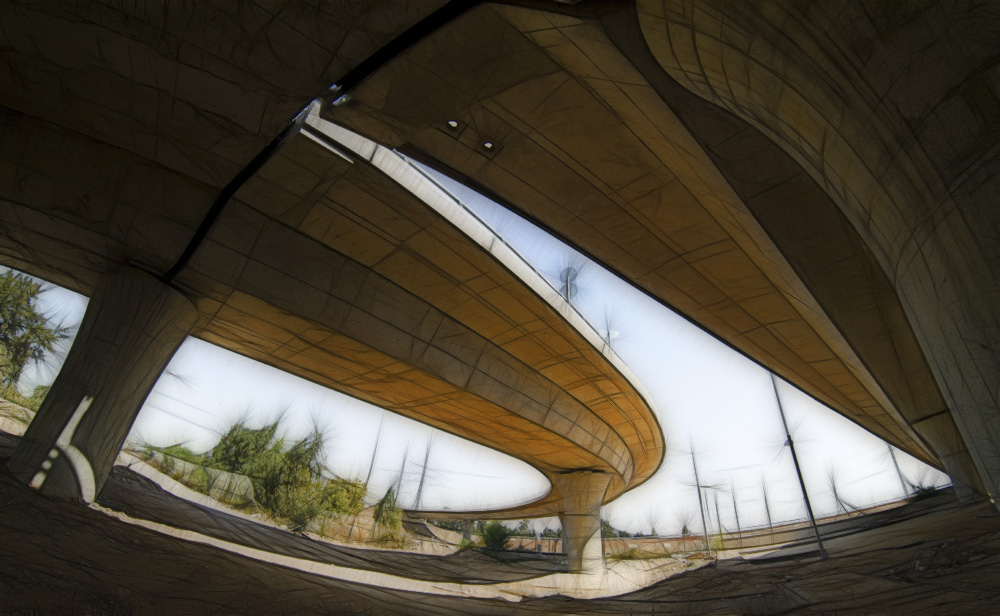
(893, 113)
(572, 114)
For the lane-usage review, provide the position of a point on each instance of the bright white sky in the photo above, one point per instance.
(703, 393)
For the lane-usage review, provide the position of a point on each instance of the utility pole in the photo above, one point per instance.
(767, 504)
(736, 510)
(371, 465)
(701, 507)
(902, 482)
(798, 469)
(423, 473)
(718, 520)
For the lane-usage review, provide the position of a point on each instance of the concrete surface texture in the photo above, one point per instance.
(131, 329)
(328, 268)
(815, 192)
(812, 183)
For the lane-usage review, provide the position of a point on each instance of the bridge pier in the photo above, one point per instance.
(583, 494)
(132, 327)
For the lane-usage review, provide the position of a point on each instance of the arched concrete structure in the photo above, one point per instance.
(893, 110)
(357, 284)
(759, 167)
(800, 186)
(320, 265)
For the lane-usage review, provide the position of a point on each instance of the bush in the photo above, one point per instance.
(287, 480)
(920, 492)
(344, 497)
(387, 515)
(181, 453)
(452, 525)
(32, 402)
(608, 531)
(638, 554)
(495, 535)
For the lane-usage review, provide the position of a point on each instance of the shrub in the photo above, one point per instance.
(495, 535)
(180, 452)
(287, 479)
(32, 402)
(452, 525)
(241, 448)
(608, 531)
(387, 515)
(343, 496)
(920, 492)
(638, 554)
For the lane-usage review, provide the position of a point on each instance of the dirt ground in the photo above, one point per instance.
(59, 557)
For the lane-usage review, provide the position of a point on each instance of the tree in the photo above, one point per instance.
(24, 332)
(608, 531)
(495, 535)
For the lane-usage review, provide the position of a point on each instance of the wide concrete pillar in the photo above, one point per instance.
(132, 327)
(944, 438)
(583, 494)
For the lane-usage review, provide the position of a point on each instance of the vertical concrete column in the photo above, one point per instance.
(940, 432)
(467, 527)
(583, 494)
(132, 327)
(961, 338)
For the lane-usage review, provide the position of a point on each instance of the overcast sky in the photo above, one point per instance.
(703, 392)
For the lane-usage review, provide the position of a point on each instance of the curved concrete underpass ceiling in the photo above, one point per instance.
(330, 268)
(120, 126)
(592, 139)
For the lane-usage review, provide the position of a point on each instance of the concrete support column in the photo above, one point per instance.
(467, 527)
(131, 329)
(583, 494)
(940, 432)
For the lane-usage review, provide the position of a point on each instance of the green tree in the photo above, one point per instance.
(25, 334)
(495, 535)
(287, 479)
(609, 531)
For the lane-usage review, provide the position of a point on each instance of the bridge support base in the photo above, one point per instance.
(131, 329)
(583, 493)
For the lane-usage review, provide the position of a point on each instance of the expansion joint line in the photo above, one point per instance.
(230, 189)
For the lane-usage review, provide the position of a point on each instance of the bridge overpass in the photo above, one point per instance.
(811, 184)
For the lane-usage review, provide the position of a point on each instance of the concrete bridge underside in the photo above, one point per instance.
(813, 184)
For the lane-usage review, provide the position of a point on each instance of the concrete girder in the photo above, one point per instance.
(893, 113)
(587, 146)
(328, 269)
(891, 320)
